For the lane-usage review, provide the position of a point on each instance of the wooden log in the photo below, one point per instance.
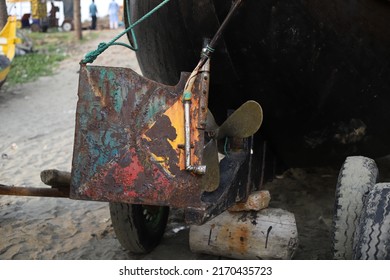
(256, 201)
(267, 234)
(56, 178)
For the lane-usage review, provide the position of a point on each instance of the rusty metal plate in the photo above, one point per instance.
(129, 137)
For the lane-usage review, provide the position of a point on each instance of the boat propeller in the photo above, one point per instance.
(244, 122)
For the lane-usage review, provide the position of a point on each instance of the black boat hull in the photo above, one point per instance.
(320, 69)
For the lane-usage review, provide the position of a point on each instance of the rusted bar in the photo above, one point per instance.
(24, 191)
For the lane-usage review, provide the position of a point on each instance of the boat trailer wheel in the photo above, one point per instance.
(139, 228)
(357, 177)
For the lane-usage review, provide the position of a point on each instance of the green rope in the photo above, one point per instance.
(92, 55)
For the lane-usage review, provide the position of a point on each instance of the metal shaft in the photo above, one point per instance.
(218, 34)
(197, 169)
(23, 191)
(187, 131)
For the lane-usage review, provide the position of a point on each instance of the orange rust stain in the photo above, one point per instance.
(195, 135)
(176, 115)
(235, 238)
(163, 162)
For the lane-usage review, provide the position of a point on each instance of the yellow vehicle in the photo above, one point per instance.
(37, 10)
(8, 40)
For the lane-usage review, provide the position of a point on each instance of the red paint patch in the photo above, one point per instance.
(129, 174)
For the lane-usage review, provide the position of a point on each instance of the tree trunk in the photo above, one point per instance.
(77, 19)
(3, 14)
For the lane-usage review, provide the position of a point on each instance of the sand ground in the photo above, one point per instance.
(36, 133)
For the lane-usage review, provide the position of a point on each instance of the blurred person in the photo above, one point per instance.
(52, 15)
(113, 10)
(93, 12)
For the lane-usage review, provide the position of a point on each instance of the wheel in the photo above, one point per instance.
(159, 57)
(373, 234)
(67, 26)
(35, 27)
(139, 228)
(357, 176)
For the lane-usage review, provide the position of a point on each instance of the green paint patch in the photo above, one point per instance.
(118, 100)
(156, 106)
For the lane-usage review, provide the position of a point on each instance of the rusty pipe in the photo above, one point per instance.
(25, 191)
(58, 180)
(198, 169)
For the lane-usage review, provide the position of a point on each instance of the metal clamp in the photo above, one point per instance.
(199, 169)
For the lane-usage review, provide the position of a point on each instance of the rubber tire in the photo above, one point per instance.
(357, 177)
(67, 26)
(35, 27)
(373, 235)
(132, 229)
(165, 48)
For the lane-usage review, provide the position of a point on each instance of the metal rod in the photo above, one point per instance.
(187, 143)
(24, 191)
(218, 34)
(58, 180)
(198, 169)
(222, 28)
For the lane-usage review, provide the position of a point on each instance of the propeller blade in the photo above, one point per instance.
(210, 180)
(244, 121)
(211, 124)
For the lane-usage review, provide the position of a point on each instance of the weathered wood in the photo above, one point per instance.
(267, 234)
(56, 178)
(256, 201)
